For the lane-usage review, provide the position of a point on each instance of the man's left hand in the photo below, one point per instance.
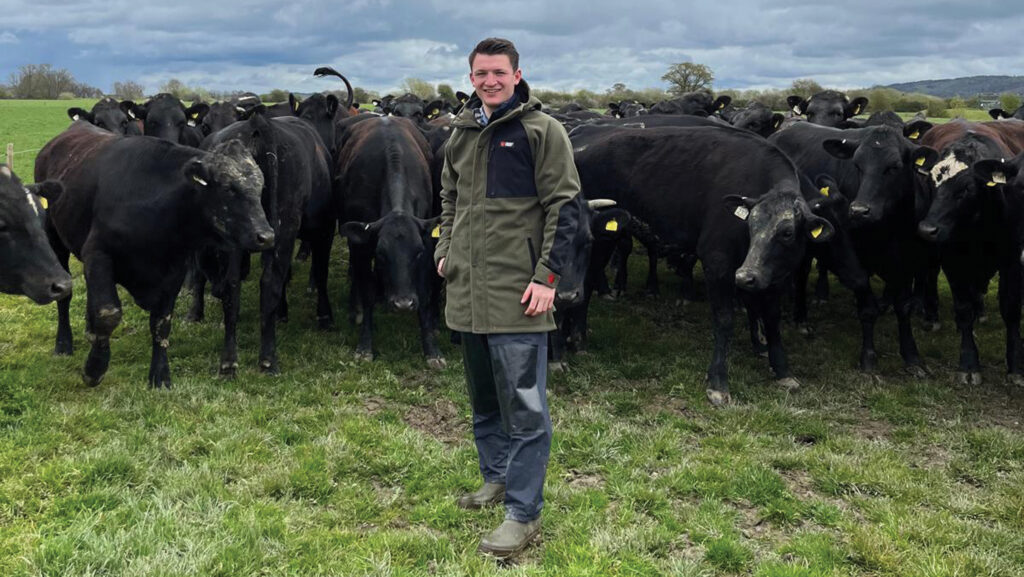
(540, 298)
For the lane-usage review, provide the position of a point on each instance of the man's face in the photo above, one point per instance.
(493, 78)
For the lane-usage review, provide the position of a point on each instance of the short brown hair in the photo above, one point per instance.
(492, 46)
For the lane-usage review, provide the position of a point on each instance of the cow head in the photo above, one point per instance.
(29, 266)
(757, 118)
(111, 115)
(1000, 114)
(165, 116)
(887, 163)
(319, 110)
(221, 115)
(437, 108)
(228, 186)
(407, 106)
(598, 227)
(1005, 177)
(402, 247)
(958, 190)
(828, 108)
(780, 224)
(626, 109)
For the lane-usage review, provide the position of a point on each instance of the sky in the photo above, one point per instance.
(564, 45)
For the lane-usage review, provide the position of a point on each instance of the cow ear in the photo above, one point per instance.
(195, 172)
(819, 229)
(462, 97)
(359, 232)
(611, 222)
(915, 129)
(924, 158)
(293, 103)
(797, 104)
(129, 108)
(48, 189)
(826, 185)
(80, 114)
(721, 102)
(738, 205)
(332, 105)
(777, 120)
(258, 110)
(430, 228)
(197, 112)
(842, 149)
(994, 171)
(997, 113)
(432, 109)
(856, 106)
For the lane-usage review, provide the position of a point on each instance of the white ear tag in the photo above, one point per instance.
(742, 212)
(75, 117)
(199, 180)
(796, 109)
(131, 114)
(997, 178)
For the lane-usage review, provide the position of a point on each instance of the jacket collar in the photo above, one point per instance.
(467, 118)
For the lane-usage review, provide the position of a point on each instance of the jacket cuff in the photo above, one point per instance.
(545, 276)
(438, 255)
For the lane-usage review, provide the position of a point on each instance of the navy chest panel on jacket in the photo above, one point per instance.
(510, 163)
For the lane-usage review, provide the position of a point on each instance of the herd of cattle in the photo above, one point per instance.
(149, 195)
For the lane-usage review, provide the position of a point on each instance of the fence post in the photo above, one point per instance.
(10, 155)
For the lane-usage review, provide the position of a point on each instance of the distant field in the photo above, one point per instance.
(338, 467)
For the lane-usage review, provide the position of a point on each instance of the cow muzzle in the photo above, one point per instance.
(749, 280)
(403, 304)
(928, 231)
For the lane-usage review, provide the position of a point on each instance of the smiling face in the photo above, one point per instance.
(494, 79)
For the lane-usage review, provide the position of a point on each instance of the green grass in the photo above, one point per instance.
(337, 467)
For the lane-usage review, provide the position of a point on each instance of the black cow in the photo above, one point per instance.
(756, 118)
(975, 218)
(383, 179)
(599, 228)
(828, 108)
(297, 199)
(109, 114)
(220, 116)
(740, 210)
(27, 263)
(164, 116)
(876, 169)
(700, 103)
(626, 109)
(1000, 114)
(133, 210)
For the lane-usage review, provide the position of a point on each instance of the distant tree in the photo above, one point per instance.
(957, 102)
(128, 90)
(805, 87)
(175, 87)
(419, 87)
(936, 108)
(446, 92)
(1009, 102)
(41, 81)
(686, 77)
(275, 95)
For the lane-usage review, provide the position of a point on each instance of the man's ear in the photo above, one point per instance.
(359, 232)
(77, 113)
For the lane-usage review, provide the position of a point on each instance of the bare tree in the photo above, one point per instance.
(688, 77)
(419, 87)
(128, 90)
(41, 81)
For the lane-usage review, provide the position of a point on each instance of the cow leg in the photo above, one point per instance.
(721, 294)
(965, 310)
(557, 343)
(867, 312)
(771, 314)
(230, 304)
(821, 288)
(160, 330)
(755, 320)
(687, 262)
(365, 297)
(623, 249)
(926, 289)
(321, 258)
(197, 283)
(102, 315)
(652, 269)
(904, 306)
(800, 278)
(1010, 309)
(429, 313)
(276, 266)
(65, 341)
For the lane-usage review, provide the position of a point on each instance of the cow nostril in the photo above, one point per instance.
(61, 288)
(927, 230)
(859, 210)
(265, 238)
(745, 279)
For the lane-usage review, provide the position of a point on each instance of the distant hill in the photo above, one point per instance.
(967, 86)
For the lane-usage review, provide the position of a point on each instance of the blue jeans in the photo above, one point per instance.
(507, 378)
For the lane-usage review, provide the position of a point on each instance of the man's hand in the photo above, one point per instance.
(541, 298)
(440, 267)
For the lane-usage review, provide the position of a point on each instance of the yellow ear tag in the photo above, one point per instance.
(824, 190)
(296, 105)
(436, 233)
(611, 225)
(43, 202)
(721, 105)
(434, 112)
(919, 161)
(915, 135)
(817, 232)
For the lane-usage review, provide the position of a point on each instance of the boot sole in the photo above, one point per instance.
(504, 554)
(475, 505)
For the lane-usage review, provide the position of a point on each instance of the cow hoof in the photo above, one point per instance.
(761, 352)
(282, 319)
(967, 379)
(193, 317)
(557, 367)
(358, 319)
(616, 293)
(63, 349)
(268, 367)
(437, 363)
(1015, 380)
(932, 326)
(91, 381)
(982, 319)
(916, 371)
(804, 329)
(788, 384)
(229, 370)
(363, 356)
(324, 323)
(818, 301)
(608, 297)
(718, 398)
(160, 384)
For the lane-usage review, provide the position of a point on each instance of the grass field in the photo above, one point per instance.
(338, 467)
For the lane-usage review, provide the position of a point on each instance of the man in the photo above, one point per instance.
(506, 228)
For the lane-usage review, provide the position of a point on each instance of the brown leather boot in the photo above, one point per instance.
(509, 538)
(489, 494)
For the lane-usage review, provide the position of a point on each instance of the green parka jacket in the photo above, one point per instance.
(506, 215)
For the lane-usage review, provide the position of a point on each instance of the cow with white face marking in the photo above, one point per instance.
(1000, 114)
(109, 114)
(27, 263)
(975, 219)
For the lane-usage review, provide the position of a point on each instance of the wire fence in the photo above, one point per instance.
(10, 154)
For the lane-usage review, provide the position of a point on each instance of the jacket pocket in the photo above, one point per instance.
(533, 254)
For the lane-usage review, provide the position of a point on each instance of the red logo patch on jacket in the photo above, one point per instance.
(551, 279)
(506, 144)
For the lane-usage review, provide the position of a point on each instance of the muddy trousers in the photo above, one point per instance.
(507, 378)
